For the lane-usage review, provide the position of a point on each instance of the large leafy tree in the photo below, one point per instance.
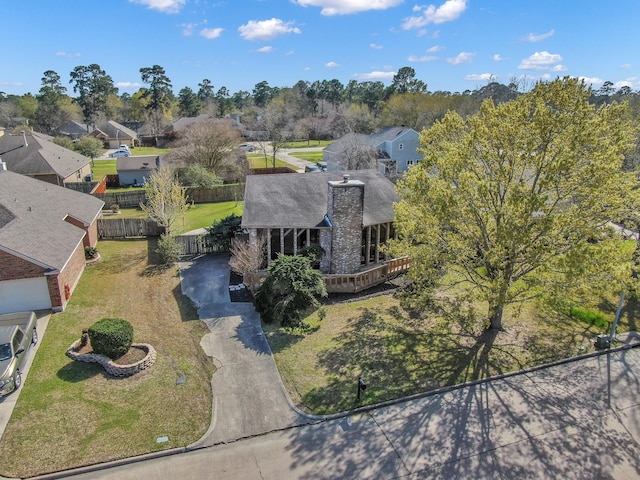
(94, 87)
(158, 95)
(517, 198)
(52, 99)
(405, 81)
(188, 103)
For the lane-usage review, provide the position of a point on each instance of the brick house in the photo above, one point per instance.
(43, 231)
(42, 159)
(114, 134)
(349, 214)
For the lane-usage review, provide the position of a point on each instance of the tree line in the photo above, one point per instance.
(306, 110)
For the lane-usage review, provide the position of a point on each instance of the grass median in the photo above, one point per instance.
(70, 413)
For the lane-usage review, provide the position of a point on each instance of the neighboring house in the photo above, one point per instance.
(74, 130)
(42, 159)
(392, 151)
(136, 170)
(43, 231)
(349, 214)
(113, 135)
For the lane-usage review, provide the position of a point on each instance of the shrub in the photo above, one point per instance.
(111, 337)
(168, 249)
(90, 252)
(115, 208)
(223, 230)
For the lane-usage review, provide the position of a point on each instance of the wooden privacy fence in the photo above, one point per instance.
(198, 244)
(128, 227)
(131, 198)
(352, 283)
(134, 197)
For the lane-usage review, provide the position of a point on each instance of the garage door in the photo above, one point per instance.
(26, 294)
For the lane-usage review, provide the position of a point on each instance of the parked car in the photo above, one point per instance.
(17, 334)
(247, 147)
(124, 147)
(322, 166)
(119, 153)
(312, 168)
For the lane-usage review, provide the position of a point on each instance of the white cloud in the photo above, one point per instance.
(625, 66)
(497, 57)
(559, 68)
(591, 80)
(211, 33)
(532, 37)
(540, 61)
(187, 28)
(632, 82)
(435, 48)
(266, 29)
(375, 46)
(331, 64)
(289, 53)
(345, 7)
(424, 58)
(375, 75)
(265, 49)
(165, 6)
(127, 85)
(67, 54)
(462, 57)
(448, 11)
(481, 76)
(11, 84)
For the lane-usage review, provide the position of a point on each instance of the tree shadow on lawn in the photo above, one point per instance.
(413, 354)
(554, 423)
(75, 371)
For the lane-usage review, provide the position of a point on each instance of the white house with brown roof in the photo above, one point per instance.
(113, 135)
(43, 231)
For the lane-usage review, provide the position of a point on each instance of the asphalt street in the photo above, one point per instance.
(575, 420)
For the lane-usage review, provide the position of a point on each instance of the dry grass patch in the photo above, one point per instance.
(400, 352)
(72, 413)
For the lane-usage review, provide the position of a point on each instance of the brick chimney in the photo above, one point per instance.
(345, 205)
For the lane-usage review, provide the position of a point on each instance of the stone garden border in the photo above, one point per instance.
(109, 365)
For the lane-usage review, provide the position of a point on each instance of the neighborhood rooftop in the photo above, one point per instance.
(300, 201)
(33, 219)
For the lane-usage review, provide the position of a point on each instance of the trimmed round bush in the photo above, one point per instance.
(111, 337)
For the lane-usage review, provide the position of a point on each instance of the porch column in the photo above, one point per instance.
(378, 227)
(282, 241)
(268, 246)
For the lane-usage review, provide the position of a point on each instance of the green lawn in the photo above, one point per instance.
(71, 413)
(199, 215)
(400, 352)
(257, 160)
(306, 144)
(309, 156)
(102, 168)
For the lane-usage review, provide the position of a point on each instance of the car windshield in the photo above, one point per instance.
(5, 351)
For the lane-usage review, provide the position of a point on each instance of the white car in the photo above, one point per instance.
(119, 153)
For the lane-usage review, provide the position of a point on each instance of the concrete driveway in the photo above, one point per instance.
(8, 403)
(248, 395)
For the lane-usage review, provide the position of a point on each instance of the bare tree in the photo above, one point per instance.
(246, 257)
(210, 144)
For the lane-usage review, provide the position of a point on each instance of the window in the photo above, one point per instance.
(400, 146)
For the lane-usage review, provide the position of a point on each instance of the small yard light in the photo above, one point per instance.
(362, 386)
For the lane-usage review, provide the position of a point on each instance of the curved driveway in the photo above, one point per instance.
(248, 395)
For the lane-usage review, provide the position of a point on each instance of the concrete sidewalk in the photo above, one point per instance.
(575, 420)
(248, 395)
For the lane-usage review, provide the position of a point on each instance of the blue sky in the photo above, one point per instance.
(453, 45)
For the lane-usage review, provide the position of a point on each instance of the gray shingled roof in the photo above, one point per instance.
(110, 128)
(40, 156)
(299, 200)
(135, 163)
(32, 219)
